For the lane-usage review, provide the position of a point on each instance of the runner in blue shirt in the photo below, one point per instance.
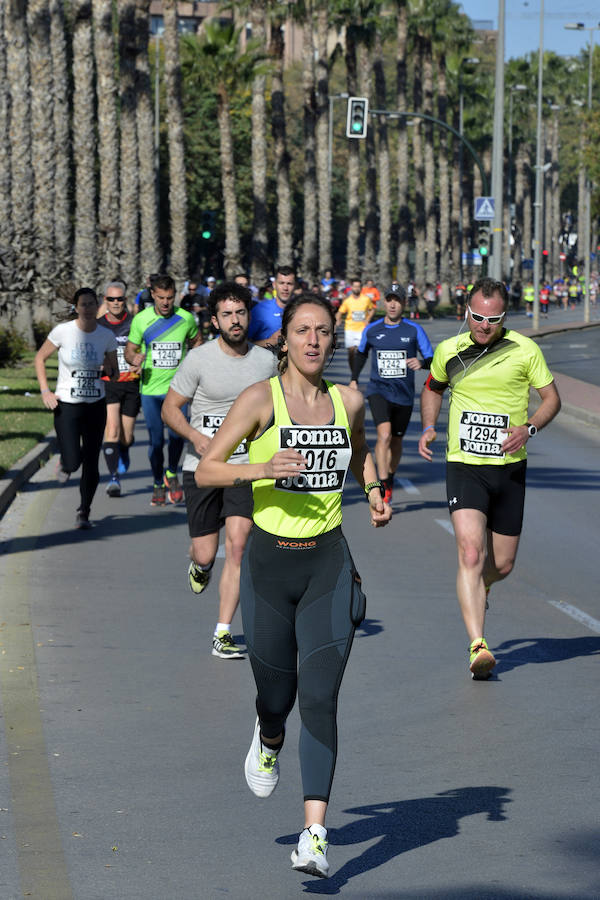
(265, 318)
(395, 342)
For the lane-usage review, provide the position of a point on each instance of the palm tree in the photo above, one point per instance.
(108, 139)
(129, 170)
(285, 229)
(5, 220)
(150, 252)
(258, 253)
(227, 69)
(177, 178)
(61, 126)
(309, 243)
(402, 263)
(322, 135)
(84, 145)
(383, 166)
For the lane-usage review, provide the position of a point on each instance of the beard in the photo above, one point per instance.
(234, 340)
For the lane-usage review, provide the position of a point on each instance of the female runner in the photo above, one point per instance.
(78, 402)
(301, 595)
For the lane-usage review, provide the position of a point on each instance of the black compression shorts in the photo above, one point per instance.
(496, 491)
(383, 410)
(126, 394)
(207, 508)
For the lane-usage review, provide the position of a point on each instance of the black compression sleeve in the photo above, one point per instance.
(426, 364)
(358, 361)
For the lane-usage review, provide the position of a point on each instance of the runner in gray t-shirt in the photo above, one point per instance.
(210, 378)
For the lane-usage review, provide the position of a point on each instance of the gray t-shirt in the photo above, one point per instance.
(213, 380)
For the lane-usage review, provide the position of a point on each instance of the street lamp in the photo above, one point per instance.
(466, 61)
(537, 219)
(580, 26)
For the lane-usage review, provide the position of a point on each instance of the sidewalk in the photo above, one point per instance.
(579, 399)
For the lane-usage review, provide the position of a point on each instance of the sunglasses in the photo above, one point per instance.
(493, 320)
(114, 299)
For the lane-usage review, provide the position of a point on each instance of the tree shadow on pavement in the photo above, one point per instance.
(527, 651)
(403, 826)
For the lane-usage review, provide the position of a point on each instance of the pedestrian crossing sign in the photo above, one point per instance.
(485, 209)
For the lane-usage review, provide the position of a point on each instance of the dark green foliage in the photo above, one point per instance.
(13, 346)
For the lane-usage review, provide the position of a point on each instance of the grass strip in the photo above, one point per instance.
(24, 421)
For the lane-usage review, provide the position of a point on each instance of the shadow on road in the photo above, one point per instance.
(527, 651)
(403, 826)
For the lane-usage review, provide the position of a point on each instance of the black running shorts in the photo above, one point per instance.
(207, 508)
(496, 491)
(126, 394)
(383, 410)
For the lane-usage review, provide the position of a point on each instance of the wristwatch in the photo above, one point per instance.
(531, 429)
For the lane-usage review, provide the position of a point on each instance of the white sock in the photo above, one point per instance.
(222, 626)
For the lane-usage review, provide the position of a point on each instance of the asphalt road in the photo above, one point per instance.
(124, 739)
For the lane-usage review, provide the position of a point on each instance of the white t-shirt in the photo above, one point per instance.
(80, 357)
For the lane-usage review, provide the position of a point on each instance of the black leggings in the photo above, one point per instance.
(80, 429)
(301, 602)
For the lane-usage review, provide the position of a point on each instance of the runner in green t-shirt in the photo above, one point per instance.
(159, 338)
(489, 371)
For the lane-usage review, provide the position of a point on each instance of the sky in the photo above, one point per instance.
(522, 24)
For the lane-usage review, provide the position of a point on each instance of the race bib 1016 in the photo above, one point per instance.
(482, 434)
(327, 452)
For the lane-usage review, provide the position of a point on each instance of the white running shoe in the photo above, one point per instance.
(261, 767)
(311, 854)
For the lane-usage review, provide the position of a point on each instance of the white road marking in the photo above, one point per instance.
(577, 346)
(221, 551)
(577, 614)
(446, 525)
(408, 486)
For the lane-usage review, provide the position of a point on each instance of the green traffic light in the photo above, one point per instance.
(357, 126)
(206, 235)
(483, 251)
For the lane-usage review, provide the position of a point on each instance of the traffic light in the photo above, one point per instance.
(356, 121)
(483, 240)
(207, 224)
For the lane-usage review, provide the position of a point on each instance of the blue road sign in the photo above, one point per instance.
(485, 209)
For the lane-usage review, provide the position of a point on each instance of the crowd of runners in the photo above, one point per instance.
(238, 374)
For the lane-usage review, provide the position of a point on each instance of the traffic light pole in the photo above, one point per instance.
(461, 137)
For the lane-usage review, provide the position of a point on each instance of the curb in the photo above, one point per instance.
(21, 472)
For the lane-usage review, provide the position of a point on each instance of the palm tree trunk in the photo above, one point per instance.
(129, 192)
(177, 181)
(383, 167)
(42, 147)
(108, 140)
(150, 251)
(5, 218)
(520, 175)
(352, 250)
(232, 256)
(555, 218)
(84, 145)
(285, 229)
(259, 263)
(446, 145)
(322, 136)
(430, 212)
(419, 171)
(21, 183)
(309, 255)
(62, 166)
(370, 256)
(403, 267)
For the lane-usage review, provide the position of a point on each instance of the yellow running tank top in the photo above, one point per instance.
(310, 503)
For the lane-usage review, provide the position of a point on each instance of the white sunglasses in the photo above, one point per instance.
(493, 320)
